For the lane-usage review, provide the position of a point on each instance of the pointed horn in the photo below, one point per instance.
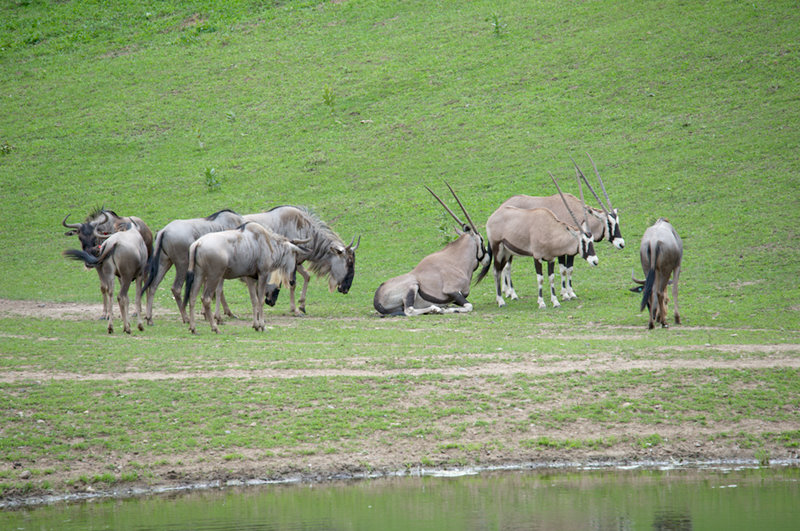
(445, 206)
(601, 182)
(577, 223)
(583, 202)
(357, 244)
(589, 185)
(70, 225)
(469, 219)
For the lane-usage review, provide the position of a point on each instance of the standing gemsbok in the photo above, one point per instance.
(440, 278)
(603, 224)
(538, 233)
(661, 252)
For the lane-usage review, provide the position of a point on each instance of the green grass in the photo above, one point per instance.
(181, 108)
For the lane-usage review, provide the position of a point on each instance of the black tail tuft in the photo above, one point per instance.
(152, 267)
(76, 254)
(647, 291)
(188, 287)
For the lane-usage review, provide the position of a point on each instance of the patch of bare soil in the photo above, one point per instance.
(685, 444)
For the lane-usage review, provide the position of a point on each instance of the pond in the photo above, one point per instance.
(678, 499)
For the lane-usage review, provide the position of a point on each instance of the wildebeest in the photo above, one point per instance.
(660, 252)
(172, 247)
(327, 253)
(440, 278)
(124, 255)
(99, 225)
(250, 252)
(603, 224)
(538, 233)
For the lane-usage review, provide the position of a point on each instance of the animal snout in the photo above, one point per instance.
(343, 289)
(592, 261)
(619, 243)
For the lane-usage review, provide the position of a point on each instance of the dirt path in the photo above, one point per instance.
(692, 443)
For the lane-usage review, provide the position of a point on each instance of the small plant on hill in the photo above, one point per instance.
(328, 97)
(6, 148)
(496, 24)
(212, 183)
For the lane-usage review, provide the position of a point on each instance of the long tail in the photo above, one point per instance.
(89, 259)
(152, 264)
(647, 290)
(189, 275)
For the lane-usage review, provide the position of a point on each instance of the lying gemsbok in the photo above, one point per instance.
(538, 233)
(661, 253)
(603, 224)
(440, 278)
(124, 255)
(249, 252)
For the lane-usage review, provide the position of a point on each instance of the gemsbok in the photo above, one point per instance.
(603, 224)
(440, 278)
(661, 253)
(538, 233)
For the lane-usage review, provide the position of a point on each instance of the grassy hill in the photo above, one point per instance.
(350, 107)
(177, 109)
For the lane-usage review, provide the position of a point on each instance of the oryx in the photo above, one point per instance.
(327, 254)
(660, 252)
(440, 278)
(603, 224)
(250, 252)
(124, 255)
(538, 233)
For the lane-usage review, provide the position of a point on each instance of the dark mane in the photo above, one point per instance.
(214, 216)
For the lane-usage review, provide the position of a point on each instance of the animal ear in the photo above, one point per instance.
(338, 249)
(71, 232)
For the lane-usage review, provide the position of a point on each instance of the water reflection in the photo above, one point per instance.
(598, 500)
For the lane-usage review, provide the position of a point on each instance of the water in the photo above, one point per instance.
(681, 499)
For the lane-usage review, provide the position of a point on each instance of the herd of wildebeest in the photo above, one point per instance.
(266, 250)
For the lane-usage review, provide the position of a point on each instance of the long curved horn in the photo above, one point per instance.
(583, 202)
(577, 223)
(589, 185)
(70, 225)
(601, 182)
(464, 210)
(461, 223)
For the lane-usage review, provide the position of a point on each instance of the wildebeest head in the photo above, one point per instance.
(92, 232)
(343, 264)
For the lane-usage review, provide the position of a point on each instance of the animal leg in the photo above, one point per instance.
(164, 264)
(499, 277)
(508, 286)
(570, 292)
(256, 301)
(122, 299)
(562, 269)
(138, 299)
(461, 301)
(177, 284)
(198, 281)
(306, 278)
(225, 308)
(551, 276)
(408, 304)
(107, 289)
(539, 281)
(675, 275)
(207, 296)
